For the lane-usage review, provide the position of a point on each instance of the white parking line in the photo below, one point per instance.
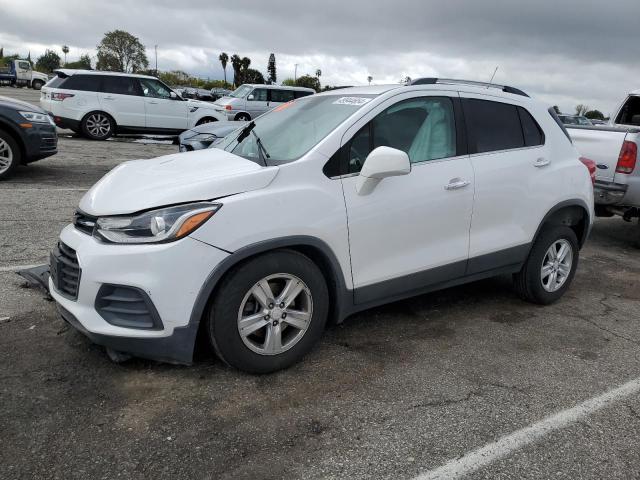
(483, 456)
(16, 268)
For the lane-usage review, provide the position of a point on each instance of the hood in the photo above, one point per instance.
(227, 100)
(178, 178)
(19, 105)
(199, 103)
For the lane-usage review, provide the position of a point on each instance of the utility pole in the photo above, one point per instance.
(156, 49)
(295, 73)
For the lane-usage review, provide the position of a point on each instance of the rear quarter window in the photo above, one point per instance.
(56, 82)
(533, 134)
(84, 83)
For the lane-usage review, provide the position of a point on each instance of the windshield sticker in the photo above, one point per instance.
(354, 101)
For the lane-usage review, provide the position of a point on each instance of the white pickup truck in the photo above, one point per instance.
(614, 149)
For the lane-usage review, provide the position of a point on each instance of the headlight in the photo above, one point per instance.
(155, 226)
(36, 117)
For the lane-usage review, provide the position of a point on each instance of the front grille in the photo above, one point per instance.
(127, 307)
(65, 270)
(83, 222)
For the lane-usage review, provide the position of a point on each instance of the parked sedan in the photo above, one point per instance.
(27, 134)
(205, 135)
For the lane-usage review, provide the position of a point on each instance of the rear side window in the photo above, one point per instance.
(121, 85)
(282, 96)
(56, 82)
(301, 93)
(556, 118)
(84, 83)
(533, 135)
(492, 126)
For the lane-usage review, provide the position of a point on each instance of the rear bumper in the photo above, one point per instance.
(609, 193)
(66, 123)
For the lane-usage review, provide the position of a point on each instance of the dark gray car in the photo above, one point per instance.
(203, 136)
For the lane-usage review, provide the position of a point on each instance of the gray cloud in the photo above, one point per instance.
(566, 52)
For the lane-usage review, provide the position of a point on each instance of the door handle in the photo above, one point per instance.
(541, 162)
(456, 183)
(152, 102)
(108, 98)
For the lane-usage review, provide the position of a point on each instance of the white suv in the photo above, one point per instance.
(101, 104)
(325, 206)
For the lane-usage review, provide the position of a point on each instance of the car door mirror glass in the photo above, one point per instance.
(381, 163)
(251, 97)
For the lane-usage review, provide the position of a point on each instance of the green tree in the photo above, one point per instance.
(369, 79)
(271, 68)
(48, 62)
(251, 75)
(245, 62)
(119, 51)
(84, 63)
(595, 114)
(289, 82)
(1, 52)
(309, 82)
(65, 50)
(582, 109)
(224, 58)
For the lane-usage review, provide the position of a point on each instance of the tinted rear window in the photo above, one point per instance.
(56, 81)
(121, 85)
(492, 126)
(85, 83)
(300, 94)
(533, 134)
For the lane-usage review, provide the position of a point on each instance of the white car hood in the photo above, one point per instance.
(200, 104)
(182, 177)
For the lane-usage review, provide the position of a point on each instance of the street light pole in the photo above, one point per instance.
(295, 73)
(156, 49)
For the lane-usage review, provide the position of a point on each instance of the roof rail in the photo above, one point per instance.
(433, 81)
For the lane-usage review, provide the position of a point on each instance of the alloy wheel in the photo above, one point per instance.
(556, 265)
(98, 125)
(6, 156)
(275, 314)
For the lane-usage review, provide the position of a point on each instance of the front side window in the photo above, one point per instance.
(24, 65)
(154, 88)
(259, 95)
(424, 128)
(290, 130)
(281, 96)
(492, 126)
(120, 85)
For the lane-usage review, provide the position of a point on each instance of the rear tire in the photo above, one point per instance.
(242, 117)
(268, 312)
(550, 267)
(97, 126)
(10, 155)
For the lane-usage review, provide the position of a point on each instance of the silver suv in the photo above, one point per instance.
(250, 101)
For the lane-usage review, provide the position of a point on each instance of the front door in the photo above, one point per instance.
(162, 111)
(257, 102)
(412, 230)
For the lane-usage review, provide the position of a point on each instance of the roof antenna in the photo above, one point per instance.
(494, 74)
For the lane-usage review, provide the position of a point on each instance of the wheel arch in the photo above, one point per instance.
(15, 134)
(200, 120)
(574, 214)
(314, 248)
(235, 117)
(98, 110)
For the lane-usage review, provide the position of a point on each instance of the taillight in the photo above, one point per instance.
(591, 165)
(228, 107)
(58, 97)
(627, 158)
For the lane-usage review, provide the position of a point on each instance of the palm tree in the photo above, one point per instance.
(236, 64)
(224, 58)
(65, 50)
(318, 73)
(369, 79)
(246, 61)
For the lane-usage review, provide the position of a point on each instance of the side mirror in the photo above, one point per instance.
(250, 97)
(175, 96)
(381, 163)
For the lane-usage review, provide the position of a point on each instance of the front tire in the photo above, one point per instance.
(242, 117)
(268, 312)
(204, 120)
(551, 266)
(10, 155)
(37, 84)
(97, 126)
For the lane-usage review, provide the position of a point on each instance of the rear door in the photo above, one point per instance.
(162, 111)
(257, 102)
(122, 98)
(514, 180)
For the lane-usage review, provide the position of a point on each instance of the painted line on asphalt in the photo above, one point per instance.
(17, 268)
(483, 456)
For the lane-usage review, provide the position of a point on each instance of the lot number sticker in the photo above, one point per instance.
(354, 101)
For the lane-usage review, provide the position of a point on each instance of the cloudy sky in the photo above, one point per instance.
(564, 52)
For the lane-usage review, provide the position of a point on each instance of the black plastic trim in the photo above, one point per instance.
(575, 202)
(101, 306)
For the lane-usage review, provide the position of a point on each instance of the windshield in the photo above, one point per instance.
(292, 129)
(241, 92)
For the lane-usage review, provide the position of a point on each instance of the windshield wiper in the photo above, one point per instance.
(245, 131)
(263, 151)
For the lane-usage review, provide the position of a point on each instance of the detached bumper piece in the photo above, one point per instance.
(127, 307)
(65, 271)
